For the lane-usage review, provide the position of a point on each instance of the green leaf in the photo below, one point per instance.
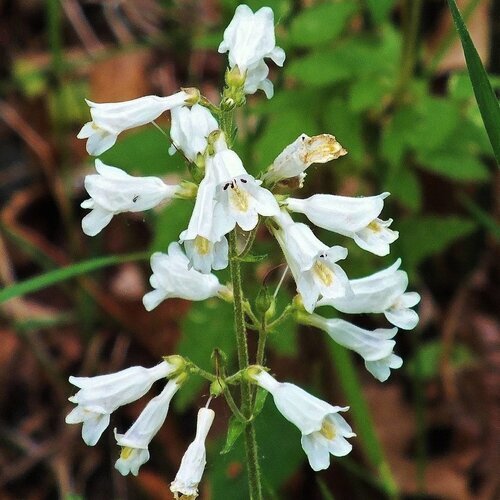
(320, 24)
(319, 69)
(369, 93)
(379, 9)
(281, 130)
(67, 105)
(235, 428)
(367, 55)
(404, 185)
(346, 126)
(460, 87)
(284, 340)
(170, 222)
(424, 236)
(457, 167)
(485, 97)
(65, 273)
(437, 120)
(29, 77)
(397, 136)
(144, 152)
(207, 325)
(279, 450)
(482, 217)
(286, 99)
(470, 138)
(428, 358)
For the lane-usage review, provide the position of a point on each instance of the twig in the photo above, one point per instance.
(82, 27)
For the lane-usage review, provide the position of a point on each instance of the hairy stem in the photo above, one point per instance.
(246, 394)
(261, 346)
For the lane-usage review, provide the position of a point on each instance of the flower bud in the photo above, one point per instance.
(193, 95)
(217, 387)
(234, 77)
(264, 301)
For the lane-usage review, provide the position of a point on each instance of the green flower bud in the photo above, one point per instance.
(264, 301)
(217, 387)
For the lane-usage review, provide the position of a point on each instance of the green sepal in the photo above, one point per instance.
(260, 400)
(252, 258)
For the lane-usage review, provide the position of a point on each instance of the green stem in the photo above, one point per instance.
(261, 346)
(249, 312)
(252, 458)
(412, 12)
(226, 121)
(234, 408)
(202, 373)
(284, 315)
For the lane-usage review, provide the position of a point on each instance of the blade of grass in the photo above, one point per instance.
(485, 97)
(59, 275)
(363, 421)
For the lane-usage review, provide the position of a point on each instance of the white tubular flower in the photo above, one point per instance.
(194, 460)
(302, 153)
(352, 217)
(227, 196)
(381, 369)
(190, 129)
(110, 119)
(382, 292)
(100, 396)
(174, 277)
(113, 191)
(324, 431)
(375, 347)
(376, 237)
(312, 263)
(205, 255)
(204, 240)
(240, 198)
(240, 201)
(135, 441)
(249, 38)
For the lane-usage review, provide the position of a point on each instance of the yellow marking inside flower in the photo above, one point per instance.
(328, 430)
(374, 226)
(239, 198)
(323, 272)
(202, 245)
(126, 452)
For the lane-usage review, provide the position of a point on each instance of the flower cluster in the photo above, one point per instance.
(229, 200)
